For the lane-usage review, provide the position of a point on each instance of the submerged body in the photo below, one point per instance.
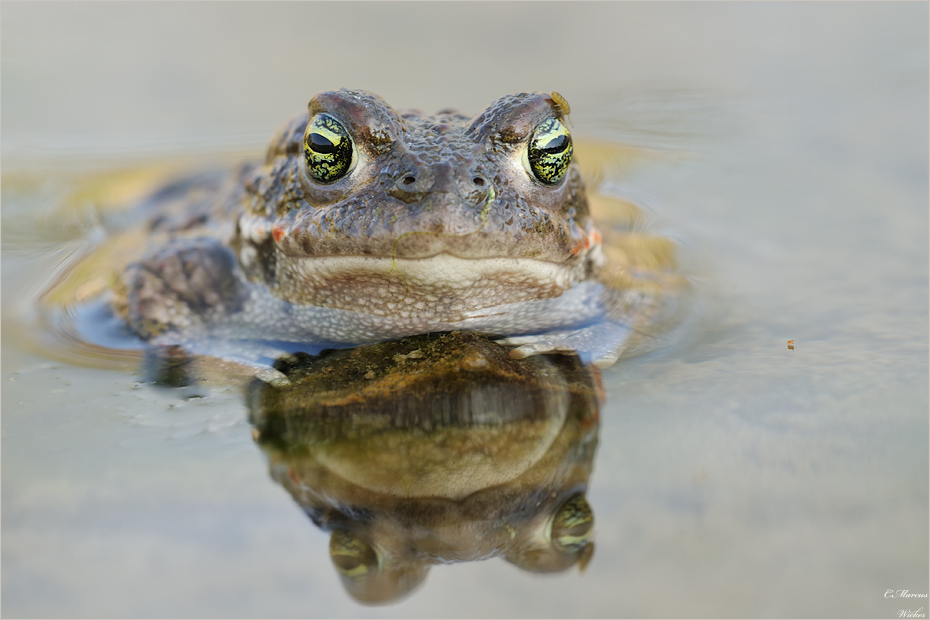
(366, 224)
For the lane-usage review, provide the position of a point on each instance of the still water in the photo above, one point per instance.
(786, 153)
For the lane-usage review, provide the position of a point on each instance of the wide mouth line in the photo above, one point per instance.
(440, 270)
(438, 255)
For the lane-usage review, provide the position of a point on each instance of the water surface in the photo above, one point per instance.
(733, 477)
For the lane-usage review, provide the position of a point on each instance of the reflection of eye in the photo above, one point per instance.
(352, 556)
(572, 525)
(327, 148)
(550, 151)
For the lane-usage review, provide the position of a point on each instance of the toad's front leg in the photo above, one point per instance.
(178, 291)
(176, 297)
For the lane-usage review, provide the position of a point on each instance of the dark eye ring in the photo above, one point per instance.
(549, 153)
(328, 149)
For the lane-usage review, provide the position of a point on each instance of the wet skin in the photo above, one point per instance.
(365, 224)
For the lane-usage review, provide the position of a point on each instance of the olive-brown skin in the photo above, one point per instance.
(419, 188)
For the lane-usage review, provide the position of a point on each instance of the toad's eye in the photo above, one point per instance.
(352, 556)
(572, 525)
(550, 151)
(328, 149)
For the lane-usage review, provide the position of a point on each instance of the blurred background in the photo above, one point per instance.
(787, 155)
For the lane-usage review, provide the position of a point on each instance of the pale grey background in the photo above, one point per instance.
(734, 477)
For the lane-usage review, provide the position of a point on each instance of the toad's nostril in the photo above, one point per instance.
(409, 180)
(478, 181)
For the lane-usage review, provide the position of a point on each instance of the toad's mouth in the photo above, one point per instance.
(441, 287)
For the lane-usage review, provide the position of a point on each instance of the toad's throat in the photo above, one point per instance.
(442, 287)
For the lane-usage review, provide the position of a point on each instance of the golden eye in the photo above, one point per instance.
(550, 151)
(328, 149)
(352, 556)
(572, 525)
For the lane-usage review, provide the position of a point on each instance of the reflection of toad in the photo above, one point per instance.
(435, 449)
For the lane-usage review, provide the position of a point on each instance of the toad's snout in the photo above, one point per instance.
(414, 183)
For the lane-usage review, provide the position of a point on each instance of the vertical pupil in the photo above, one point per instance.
(320, 144)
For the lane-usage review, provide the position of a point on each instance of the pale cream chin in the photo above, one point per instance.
(441, 271)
